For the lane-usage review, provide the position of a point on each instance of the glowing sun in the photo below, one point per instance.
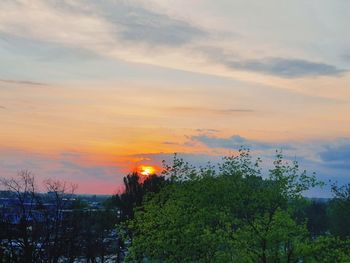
(146, 170)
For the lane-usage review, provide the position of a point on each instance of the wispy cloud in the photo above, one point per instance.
(22, 82)
(106, 32)
(141, 25)
(207, 130)
(276, 66)
(56, 22)
(284, 67)
(235, 142)
(211, 111)
(128, 30)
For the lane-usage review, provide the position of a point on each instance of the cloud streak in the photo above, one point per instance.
(275, 66)
(235, 142)
(211, 111)
(286, 68)
(22, 82)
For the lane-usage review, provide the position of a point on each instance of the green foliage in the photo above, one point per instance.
(183, 223)
(327, 249)
(339, 211)
(272, 238)
(290, 181)
(179, 170)
(232, 214)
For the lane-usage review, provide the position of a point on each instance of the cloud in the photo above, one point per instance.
(276, 66)
(56, 22)
(170, 143)
(284, 67)
(337, 156)
(22, 82)
(112, 23)
(207, 130)
(211, 111)
(235, 142)
(142, 25)
(128, 30)
(3, 107)
(136, 22)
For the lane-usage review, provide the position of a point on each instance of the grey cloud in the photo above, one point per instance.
(3, 107)
(22, 82)
(203, 110)
(157, 29)
(337, 156)
(143, 25)
(276, 66)
(235, 142)
(288, 68)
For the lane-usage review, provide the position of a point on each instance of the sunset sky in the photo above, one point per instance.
(89, 90)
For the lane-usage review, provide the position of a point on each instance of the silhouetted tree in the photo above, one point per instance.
(317, 218)
(134, 193)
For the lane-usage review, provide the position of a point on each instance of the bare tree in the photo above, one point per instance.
(53, 226)
(24, 192)
(60, 196)
(36, 223)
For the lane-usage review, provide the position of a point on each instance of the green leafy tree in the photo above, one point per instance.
(340, 211)
(327, 249)
(234, 215)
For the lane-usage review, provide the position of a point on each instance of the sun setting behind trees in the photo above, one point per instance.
(146, 170)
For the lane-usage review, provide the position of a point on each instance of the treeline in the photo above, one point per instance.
(230, 212)
(234, 213)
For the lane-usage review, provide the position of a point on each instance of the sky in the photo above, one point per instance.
(89, 89)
